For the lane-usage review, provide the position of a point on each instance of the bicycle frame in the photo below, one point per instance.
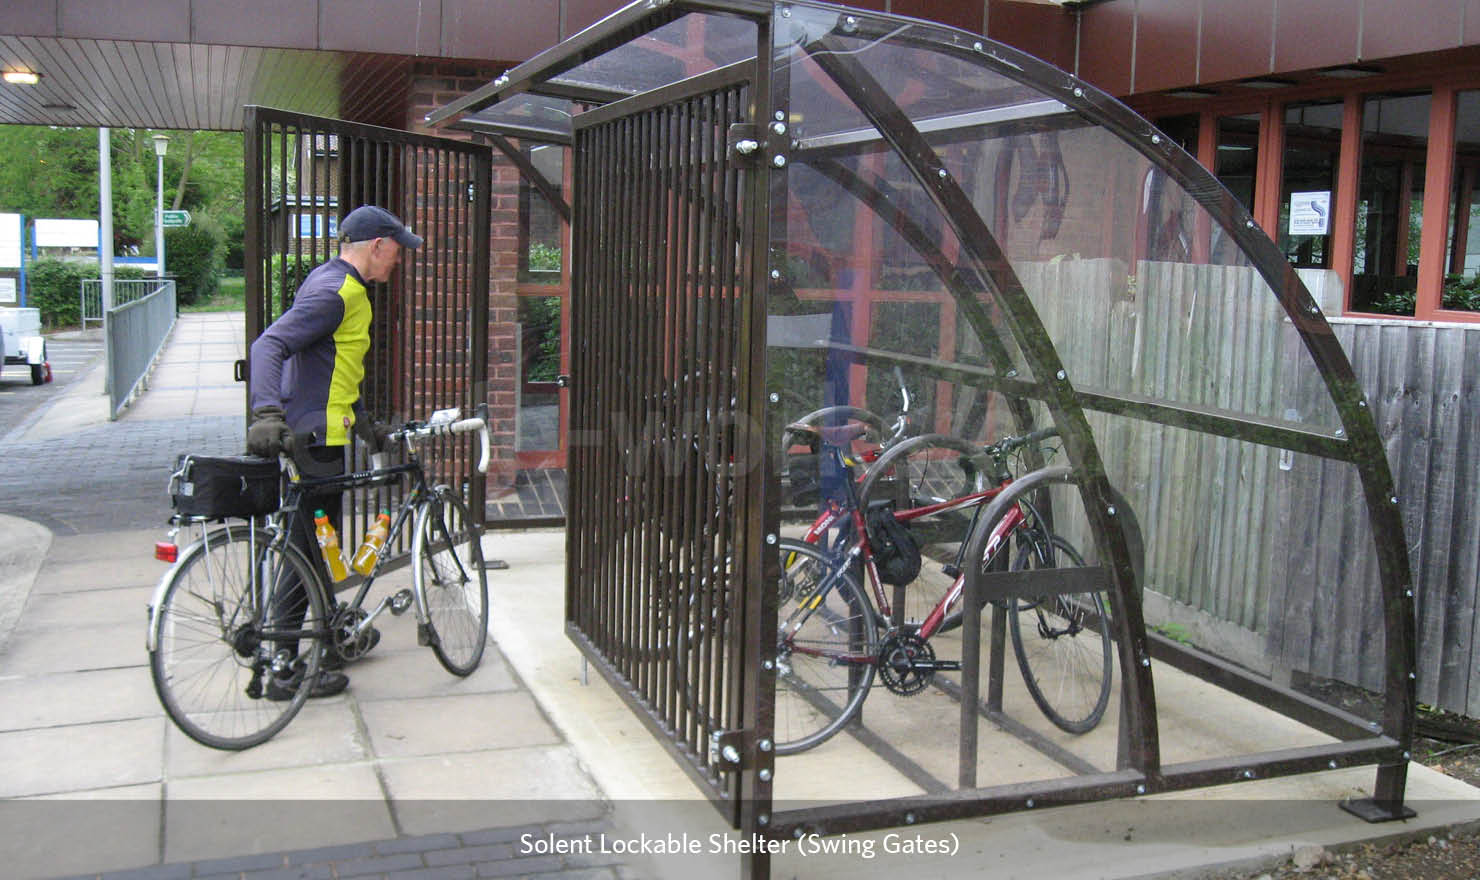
(291, 517)
(836, 512)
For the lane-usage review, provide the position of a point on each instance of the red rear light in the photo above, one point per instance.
(166, 551)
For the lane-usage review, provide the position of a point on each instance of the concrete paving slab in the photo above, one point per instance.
(21, 552)
(415, 672)
(275, 810)
(451, 725)
(76, 650)
(110, 830)
(81, 757)
(37, 701)
(124, 545)
(64, 575)
(85, 647)
(69, 610)
(492, 788)
(325, 731)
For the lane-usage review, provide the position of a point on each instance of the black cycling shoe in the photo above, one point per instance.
(327, 685)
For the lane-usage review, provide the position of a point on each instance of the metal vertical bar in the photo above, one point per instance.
(700, 554)
(725, 199)
(254, 246)
(765, 202)
(478, 227)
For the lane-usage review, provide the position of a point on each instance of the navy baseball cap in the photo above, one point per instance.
(368, 222)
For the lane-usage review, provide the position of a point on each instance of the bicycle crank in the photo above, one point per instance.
(907, 663)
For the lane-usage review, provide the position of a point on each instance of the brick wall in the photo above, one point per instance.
(435, 84)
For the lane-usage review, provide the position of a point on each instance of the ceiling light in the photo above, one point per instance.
(1266, 82)
(1192, 92)
(22, 77)
(1351, 71)
(58, 106)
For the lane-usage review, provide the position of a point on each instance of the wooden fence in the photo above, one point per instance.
(1258, 554)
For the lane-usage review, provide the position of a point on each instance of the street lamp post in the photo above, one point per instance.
(161, 144)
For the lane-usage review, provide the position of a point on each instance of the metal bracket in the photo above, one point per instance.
(562, 381)
(727, 750)
(1373, 810)
(744, 144)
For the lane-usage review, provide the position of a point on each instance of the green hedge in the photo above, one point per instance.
(194, 256)
(55, 287)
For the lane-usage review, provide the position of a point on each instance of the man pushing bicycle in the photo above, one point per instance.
(305, 374)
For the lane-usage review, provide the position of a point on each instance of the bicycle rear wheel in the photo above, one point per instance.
(451, 585)
(826, 650)
(1063, 643)
(219, 637)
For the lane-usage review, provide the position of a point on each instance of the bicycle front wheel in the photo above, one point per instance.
(451, 585)
(1063, 643)
(827, 645)
(224, 654)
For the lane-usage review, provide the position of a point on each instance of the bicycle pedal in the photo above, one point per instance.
(400, 602)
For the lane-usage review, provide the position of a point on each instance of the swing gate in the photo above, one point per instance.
(666, 522)
(429, 337)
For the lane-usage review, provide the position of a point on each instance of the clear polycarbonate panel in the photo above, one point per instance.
(876, 309)
(1140, 288)
(1255, 555)
(527, 114)
(685, 47)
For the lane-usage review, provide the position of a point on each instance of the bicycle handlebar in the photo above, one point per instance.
(445, 422)
(1009, 444)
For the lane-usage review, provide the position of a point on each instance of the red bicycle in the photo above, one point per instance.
(834, 637)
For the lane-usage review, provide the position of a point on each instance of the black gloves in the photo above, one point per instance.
(268, 434)
(375, 434)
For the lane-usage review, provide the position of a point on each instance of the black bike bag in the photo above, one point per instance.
(896, 550)
(222, 486)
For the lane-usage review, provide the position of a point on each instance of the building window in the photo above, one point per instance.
(1308, 182)
(1238, 156)
(1390, 203)
(539, 222)
(1462, 257)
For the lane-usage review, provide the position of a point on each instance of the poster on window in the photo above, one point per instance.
(1310, 213)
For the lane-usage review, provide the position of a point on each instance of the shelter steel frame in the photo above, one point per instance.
(303, 174)
(736, 770)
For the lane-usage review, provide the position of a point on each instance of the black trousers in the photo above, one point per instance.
(290, 599)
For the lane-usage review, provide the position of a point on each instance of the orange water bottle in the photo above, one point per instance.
(369, 550)
(329, 546)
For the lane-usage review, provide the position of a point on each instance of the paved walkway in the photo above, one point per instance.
(519, 769)
(412, 772)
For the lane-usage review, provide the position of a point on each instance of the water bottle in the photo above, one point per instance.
(369, 550)
(329, 546)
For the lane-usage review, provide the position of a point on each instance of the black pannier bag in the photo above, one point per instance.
(224, 485)
(896, 551)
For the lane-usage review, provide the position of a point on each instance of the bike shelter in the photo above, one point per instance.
(775, 205)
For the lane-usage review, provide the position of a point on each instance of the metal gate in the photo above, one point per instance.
(429, 337)
(664, 523)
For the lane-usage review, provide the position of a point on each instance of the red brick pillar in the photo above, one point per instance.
(435, 84)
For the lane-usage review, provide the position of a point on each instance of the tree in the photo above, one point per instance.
(53, 172)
